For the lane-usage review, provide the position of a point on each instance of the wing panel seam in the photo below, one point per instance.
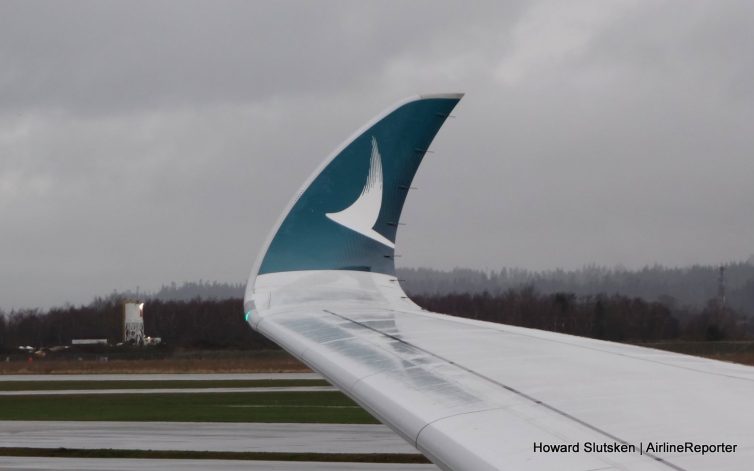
(501, 328)
(505, 386)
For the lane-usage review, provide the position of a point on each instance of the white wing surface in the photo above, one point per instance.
(474, 395)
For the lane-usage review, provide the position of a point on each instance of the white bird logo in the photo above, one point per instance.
(362, 215)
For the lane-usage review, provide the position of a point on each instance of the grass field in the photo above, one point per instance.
(194, 361)
(217, 455)
(276, 361)
(155, 384)
(277, 407)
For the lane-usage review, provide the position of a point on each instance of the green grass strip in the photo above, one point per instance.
(216, 455)
(328, 407)
(155, 384)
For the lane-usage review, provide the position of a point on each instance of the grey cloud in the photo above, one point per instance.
(142, 143)
(110, 56)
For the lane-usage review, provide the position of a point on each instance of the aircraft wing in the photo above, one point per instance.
(473, 395)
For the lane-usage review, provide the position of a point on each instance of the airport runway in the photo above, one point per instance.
(53, 392)
(117, 464)
(161, 377)
(203, 436)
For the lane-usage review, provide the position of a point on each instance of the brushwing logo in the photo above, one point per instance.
(362, 215)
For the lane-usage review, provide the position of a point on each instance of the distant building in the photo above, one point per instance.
(133, 322)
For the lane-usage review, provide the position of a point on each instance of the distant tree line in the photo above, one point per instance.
(614, 317)
(219, 323)
(188, 290)
(197, 323)
(690, 286)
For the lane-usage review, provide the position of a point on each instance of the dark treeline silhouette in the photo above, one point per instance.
(690, 286)
(614, 317)
(187, 291)
(190, 324)
(212, 323)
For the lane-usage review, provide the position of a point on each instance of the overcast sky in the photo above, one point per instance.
(149, 142)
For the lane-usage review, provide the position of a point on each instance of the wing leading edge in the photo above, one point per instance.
(470, 395)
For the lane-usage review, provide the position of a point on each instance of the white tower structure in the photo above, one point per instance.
(133, 323)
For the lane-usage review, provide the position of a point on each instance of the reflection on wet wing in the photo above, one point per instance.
(378, 351)
(316, 330)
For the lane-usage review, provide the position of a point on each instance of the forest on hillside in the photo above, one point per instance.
(652, 304)
(691, 287)
(199, 323)
(218, 324)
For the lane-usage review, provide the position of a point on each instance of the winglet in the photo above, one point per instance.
(345, 216)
